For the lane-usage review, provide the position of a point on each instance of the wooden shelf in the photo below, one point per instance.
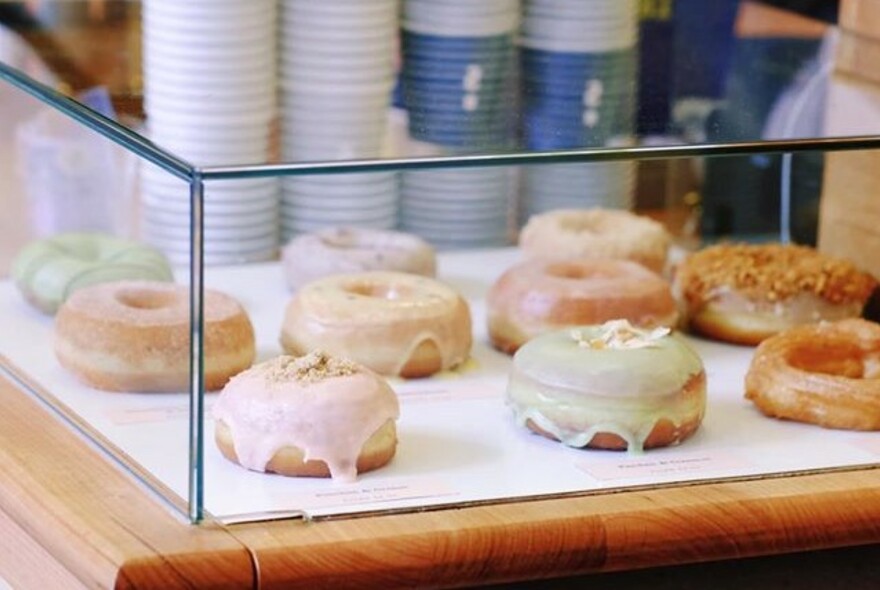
(75, 518)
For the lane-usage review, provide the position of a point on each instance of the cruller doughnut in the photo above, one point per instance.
(344, 250)
(314, 416)
(596, 233)
(394, 323)
(608, 387)
(540, 296)
(826, 374)
(135, 336)
(744, 293)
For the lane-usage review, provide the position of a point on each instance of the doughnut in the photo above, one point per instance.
(611, 386)
(135, 336)
(744, 293)
(826, 374)
(345, 250)
(313, 416)
(47, 271)
(539, 296)
(596, 233)
(393, 323)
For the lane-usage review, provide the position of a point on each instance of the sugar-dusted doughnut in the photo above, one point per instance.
(47, 271)
(608, 387)
(744, 293)
(344, 250)
(825, 374)
(135, 336)
(313, 415)
(394, 323)
(596, 233)
(539, 296)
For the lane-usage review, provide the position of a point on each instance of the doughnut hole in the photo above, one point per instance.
(585, 225)
(575, 272)
(840, 360)
(145, 299)
(342, 239)
(379, 290)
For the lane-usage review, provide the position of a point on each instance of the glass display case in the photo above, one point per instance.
(217, 132)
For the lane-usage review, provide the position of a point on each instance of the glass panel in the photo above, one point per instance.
(74, 269)
(401, 80)
(483, 100)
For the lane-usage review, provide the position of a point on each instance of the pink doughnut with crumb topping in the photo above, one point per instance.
(313, 416)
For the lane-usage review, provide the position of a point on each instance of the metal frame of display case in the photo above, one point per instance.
(197, 176)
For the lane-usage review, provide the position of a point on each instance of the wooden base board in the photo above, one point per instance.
(849, 218)
(84, 520)
(860, 16)
(103, 529)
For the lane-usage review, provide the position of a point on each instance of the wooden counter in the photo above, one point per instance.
(69, 518)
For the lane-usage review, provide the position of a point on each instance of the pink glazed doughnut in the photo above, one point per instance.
(312, 416)
(343, 250)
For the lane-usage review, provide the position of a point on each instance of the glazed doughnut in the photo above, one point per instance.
(312, 416)
(596, 233)
(826, 374)
(393, 323)
(348, 250)
(608, 387)
(135, 336)
(540, 296)
(744, 293)
(48, 271)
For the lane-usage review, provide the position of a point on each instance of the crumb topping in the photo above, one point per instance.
(311, 368)
(773, 272)
(620, 335)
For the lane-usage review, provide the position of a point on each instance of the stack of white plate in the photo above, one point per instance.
(337, 72)
(578, 68)
(210, 98)
(458, 208)
(577, 186)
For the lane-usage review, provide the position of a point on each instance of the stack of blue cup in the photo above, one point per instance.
(458, 86)
(577, 99)
(457, 89)
(578, 89)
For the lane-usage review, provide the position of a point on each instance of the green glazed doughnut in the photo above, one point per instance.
(48, 271)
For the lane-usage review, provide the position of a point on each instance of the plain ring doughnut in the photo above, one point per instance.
(596, 233)
(539, 296)
(134, 336)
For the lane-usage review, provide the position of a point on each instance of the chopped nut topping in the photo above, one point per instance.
(772, 272)
(619, 335)
(311, 368)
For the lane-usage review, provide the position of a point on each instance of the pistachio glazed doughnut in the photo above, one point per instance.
(48, 271)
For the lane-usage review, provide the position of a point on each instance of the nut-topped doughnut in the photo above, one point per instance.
(344, 250)
(744, 293)
(135, 336)
(596, 233)
(394, 323)
(539, 296)
(314, 416)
